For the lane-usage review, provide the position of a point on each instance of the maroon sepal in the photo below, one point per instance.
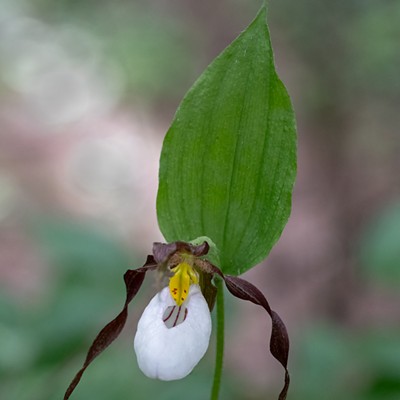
(208, 290)
(133, 281)
(164, 251)
(279, 342)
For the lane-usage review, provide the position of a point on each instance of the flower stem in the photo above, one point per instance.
(219, 354)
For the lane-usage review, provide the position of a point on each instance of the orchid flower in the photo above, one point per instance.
(174, 330)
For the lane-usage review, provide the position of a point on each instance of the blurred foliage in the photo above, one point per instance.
(334, 363)
(46, 342)
(151, 51)
(380, 247)
(374, 42)
(86, 286)
(349, 48)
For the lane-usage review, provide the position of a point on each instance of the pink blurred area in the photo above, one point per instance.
(68, 145)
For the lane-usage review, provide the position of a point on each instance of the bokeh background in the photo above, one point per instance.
(87, 91)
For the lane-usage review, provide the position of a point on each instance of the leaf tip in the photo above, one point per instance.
(264, 9)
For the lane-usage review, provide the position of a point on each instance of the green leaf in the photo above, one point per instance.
(228, 161)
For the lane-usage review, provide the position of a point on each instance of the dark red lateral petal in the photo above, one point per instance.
(279, 342)
(133, 281)
(246, 291)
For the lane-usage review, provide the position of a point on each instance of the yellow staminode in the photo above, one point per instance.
(179, 283)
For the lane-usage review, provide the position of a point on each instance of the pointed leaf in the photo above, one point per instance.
(228, 161)
(133, 281)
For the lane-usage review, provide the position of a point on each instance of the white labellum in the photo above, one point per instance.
(170, 340)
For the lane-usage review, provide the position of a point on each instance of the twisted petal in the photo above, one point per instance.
(279, 340)
(170, 353)
(133, 281)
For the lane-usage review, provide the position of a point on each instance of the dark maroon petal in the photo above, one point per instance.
(208, 268)
(133, 281)
(163, 251)
(131, 277)
(208, 290)
(200, 250)
(279, 342)
(246, 291)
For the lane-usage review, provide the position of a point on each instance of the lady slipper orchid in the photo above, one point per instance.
(174, 330)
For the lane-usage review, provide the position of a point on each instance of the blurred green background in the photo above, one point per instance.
(87, 91)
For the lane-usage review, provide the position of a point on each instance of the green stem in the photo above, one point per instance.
(219, 354)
